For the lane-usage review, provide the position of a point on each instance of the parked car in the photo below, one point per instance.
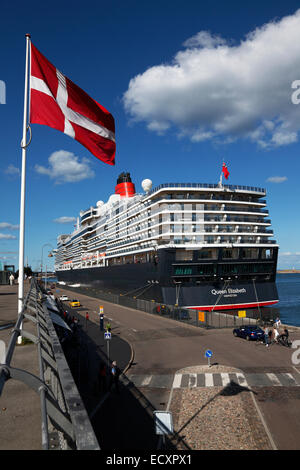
(74, 303)
(64, 298)
(249, 332)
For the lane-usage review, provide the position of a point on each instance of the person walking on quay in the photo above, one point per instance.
(284, 337)
(114, 377)
(266, 330)
(276, 335)
(270, 336)
(277, 322)
(108, 327)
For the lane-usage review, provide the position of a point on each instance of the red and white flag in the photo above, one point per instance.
(57, 102)
(225, 171)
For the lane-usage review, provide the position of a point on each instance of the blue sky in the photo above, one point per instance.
(188, 83)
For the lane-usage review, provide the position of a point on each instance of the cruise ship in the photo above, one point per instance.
(195, 245)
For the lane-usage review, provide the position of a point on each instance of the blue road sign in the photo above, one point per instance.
(107, 335)
(208, 353)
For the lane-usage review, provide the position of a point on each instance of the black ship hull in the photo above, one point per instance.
(145, 281)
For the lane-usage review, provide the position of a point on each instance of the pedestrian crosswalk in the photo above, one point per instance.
(192, 380)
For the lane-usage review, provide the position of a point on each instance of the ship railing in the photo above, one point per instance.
(207, 186)
(216, 198)
(65, 422)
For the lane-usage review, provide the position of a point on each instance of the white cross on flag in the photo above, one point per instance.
(57, 102)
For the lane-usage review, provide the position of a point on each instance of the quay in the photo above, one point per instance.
(247, 399)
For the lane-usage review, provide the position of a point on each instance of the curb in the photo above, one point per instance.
(130, 360)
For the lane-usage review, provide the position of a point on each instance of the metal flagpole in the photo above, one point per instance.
(23, 184)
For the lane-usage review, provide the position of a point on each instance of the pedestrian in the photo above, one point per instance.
(266, 331)
(102, 377)
(284, 337)
(114, 377)
(277, 322)
(276, 335)
(270, 336)
(108, 327)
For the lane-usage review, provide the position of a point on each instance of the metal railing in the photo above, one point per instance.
(203, 319)
(62, 410)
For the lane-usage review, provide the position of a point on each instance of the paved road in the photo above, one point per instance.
(163, 346)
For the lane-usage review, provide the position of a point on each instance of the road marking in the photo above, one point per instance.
(242, 379)
(225, 379)
(274, 379)
(290, 378)
(297, 378)
(177, 381)
(209, 382)
(192, 380)
(146, 380)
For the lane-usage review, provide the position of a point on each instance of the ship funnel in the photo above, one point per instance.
(125, 187)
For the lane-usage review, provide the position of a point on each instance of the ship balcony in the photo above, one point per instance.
(200, 186)
(166, 198)
(89, 214)
(236, 219)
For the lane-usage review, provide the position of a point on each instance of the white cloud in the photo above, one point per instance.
(5, 236)
(289, 260)
(65, 167)
(277, 179)
(215, 90)
(11, 170)
(204, 39)
(9, 226)
(65, 220)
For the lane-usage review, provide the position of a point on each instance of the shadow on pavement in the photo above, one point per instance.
(123, 421)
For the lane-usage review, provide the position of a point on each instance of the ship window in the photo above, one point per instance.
(255, 268)
(184, 255)
(182, 271)
(227, 269)
(207, 254)
(267, 253)
(206, 269)
(249, 253)
(229, 253)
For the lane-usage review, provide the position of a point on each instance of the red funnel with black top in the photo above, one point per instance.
(125, 187)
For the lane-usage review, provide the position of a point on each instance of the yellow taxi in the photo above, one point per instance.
(74, 303)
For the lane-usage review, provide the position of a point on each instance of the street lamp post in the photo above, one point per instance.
(46, 244)
(50, 256)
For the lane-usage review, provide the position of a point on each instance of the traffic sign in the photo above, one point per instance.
(107, 335)
(208, 353)
(241, 313)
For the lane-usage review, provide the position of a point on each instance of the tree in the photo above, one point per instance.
(27, 271)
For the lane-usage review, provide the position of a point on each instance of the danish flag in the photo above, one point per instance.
(225, 171)
(57, 102)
